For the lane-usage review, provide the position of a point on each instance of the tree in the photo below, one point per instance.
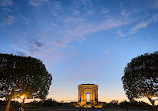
(134, 104)
(20, 75)
(141, 77)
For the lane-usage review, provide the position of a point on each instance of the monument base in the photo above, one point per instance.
(89, 104)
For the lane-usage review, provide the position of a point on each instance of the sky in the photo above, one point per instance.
(80, 41)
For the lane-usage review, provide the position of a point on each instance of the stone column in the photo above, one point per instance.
(84, 96)
(81, 94)
(97, 94)
(93, 94)
(78, 94)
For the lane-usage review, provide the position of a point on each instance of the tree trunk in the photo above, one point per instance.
(8, 104)
(153, 105)
(23, 102)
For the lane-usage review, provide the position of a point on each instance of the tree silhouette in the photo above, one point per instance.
(141, 77)
(21, 75)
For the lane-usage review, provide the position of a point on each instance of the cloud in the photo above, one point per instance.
(6, 3)
(59, 43)
(85, 2)
(84, 28)
(62, 29)
(126, 13)
(138, 26)
(37, 3)
(120, 34)
(38, 44)
(34, 46)
(71, 29)
(8, 20)
(76, 12)
(81, 40)
(20, 53)
(90, 12)
(143, 24)
(26, 20)
(104, 10)
(76, 29)
(7, 10)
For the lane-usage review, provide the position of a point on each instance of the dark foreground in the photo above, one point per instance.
(83, 110)
(79, 110)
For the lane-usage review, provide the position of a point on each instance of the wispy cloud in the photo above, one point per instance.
(85, 2)
(104, 10)
(6, 3)
(143, 24)
(7, 10)
(26, 20)
(72, 29)
(138, 26)
(59, 43)
(84, 29)
(120, 34)
(126, 13)
(57, 33)
(34, 46)
(37, 3)
(8, 20)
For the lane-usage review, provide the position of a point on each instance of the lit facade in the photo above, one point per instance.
(85, 89)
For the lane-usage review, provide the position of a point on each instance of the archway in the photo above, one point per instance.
(87, 97)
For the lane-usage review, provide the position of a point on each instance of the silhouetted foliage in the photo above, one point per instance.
(47, 103)
(114, 102)
(23, 75)
(133, 104)
(124, 104)
(50, 102)
(141, 77)
(14, 104)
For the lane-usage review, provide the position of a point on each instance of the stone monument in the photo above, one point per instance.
(83, 90)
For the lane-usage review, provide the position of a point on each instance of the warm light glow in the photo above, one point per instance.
(22, 97)
(154, 98)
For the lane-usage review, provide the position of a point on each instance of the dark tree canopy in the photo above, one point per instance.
(23, 75)
(141, 77)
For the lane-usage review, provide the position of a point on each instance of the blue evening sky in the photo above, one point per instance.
(80, 41)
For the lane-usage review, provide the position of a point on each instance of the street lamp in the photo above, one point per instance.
(154, 98)
(22, 97)
(23, 100)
